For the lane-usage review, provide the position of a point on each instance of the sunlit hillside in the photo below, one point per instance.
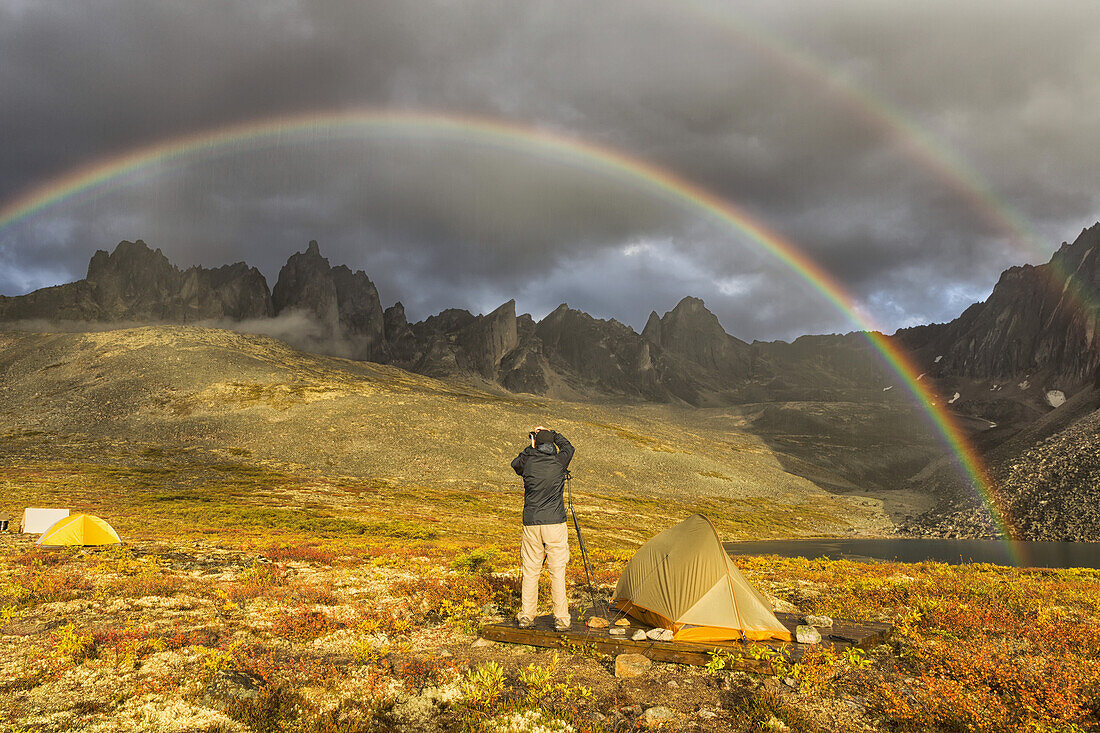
(211, 426)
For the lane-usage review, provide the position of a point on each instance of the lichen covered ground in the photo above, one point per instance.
(373, 633)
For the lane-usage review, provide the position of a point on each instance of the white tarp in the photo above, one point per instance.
(37, 521)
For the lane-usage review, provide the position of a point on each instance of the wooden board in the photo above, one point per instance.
(581, 638)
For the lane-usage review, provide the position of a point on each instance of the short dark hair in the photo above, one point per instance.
(544, 436)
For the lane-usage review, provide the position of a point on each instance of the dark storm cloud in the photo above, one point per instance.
(1008, 90)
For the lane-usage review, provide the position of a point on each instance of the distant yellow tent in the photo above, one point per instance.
(78, 530)
(683, 580)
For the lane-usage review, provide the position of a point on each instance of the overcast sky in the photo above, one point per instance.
(895, 143)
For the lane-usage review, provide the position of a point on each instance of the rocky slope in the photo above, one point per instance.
(188, 414)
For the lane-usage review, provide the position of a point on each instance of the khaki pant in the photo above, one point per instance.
(552, 542)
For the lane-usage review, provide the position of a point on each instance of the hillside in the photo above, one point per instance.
(1014, 370)
(312, 545)
(164, 420)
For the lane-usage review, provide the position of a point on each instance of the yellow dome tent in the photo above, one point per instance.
(78, 530)
(683, 580)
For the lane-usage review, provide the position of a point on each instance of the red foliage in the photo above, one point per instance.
(302, 553)
(304, 625)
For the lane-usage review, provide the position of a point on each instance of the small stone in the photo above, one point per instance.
(707, 714)
(773, 686)
(638, 635)
(775, 724)
(660, 634)
(623, 622)
(782, 606)
(597, 622)
(807, 635)
(632, 665)
(482, 642)
(657, 716)
(618, 631)
(821, 622)
(673, 684)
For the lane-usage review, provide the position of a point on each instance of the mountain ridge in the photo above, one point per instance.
(1039, 325)
(1011, 368)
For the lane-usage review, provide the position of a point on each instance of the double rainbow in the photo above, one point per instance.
(467, 130)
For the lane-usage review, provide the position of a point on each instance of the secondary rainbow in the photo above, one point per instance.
(918, 144)
(105, 174)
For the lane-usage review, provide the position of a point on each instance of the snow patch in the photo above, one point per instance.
(1025, 384)
(1056, 398)
(937, 359)
(955, 397)
(921, 376)
(887, 389)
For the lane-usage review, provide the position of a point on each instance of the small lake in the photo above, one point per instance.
(955, 552)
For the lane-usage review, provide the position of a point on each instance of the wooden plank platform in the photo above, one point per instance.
(542, 634)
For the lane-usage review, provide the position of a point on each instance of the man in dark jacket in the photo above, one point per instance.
(545, 533)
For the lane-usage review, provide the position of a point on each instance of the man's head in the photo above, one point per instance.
(544, 436)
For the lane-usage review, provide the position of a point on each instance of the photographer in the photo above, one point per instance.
(545, 534)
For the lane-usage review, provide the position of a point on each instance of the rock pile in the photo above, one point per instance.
(1052, 492)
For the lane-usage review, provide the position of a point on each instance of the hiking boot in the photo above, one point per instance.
(525, 623)
(561, 625)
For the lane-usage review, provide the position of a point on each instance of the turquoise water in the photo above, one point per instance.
(955, 552)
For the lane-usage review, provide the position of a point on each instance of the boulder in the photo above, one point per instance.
(821, 622)
(597, 622)
(807, 635)
(656, 716)
(782, 606)
(628, 666)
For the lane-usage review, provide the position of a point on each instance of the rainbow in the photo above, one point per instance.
(918, 144)
(921, 146)
(100, 175)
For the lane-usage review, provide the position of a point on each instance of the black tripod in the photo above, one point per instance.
(584, 548)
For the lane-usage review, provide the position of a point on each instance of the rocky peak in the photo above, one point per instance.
(133, 282)
(400, 341)
(692, 332)
(129, 258)
(652, 330)
(344, 303)
(605, 354)
(305, 284)
(484, 340)
(1040, 321)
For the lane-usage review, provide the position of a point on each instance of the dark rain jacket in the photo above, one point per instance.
(543, 471)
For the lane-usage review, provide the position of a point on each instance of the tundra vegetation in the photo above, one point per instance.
(313, 545)
(300, 623)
